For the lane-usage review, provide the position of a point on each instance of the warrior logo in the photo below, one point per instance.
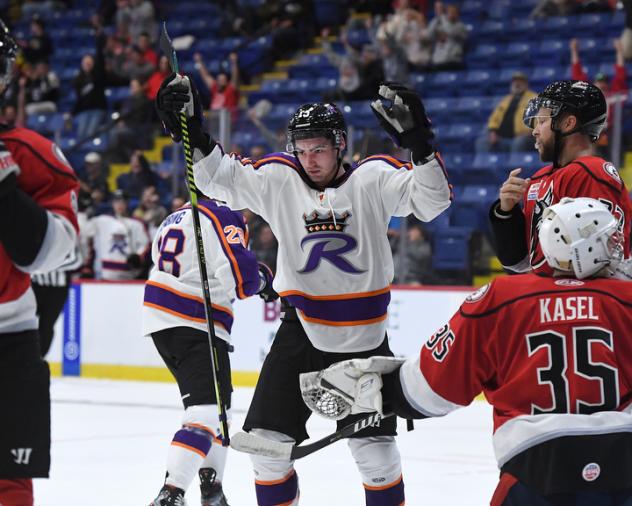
(328, 242)
(535, 254)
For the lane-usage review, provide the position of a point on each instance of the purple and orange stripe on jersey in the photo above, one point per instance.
(282, 158)
(391, 160)
(114, 266)
(350, 309)
(242, 261)
(385, 495)
(277, 492)
(164, 298)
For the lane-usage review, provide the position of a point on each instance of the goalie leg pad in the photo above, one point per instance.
(276, 482)
(379, 463)
(192, 444)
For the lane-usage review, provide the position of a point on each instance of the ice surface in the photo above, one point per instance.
(110, 441)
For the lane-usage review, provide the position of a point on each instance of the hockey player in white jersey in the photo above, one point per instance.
(334, 265)
(174, 316)
(120, 243)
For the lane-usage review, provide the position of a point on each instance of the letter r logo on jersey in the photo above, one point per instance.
(330, 247)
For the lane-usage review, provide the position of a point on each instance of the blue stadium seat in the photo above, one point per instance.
(522, 26)
(469, 109)
(479, 194)
(482, 56)
(529, 161)
(541, 76)
(450, 248)
(519, 53)
(444, 84)
(456, 165)
(490, 160)
(442, 221)
(551, 52)
(48, 124)
(469, 214)
(477, 82)
(359, 114)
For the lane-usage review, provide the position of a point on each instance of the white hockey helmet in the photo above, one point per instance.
(580, 236)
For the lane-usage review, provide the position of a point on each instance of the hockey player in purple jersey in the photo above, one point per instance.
(174, 317)
(334, 266)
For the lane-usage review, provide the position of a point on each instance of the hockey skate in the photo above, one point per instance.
(169, 496)
(211, 492)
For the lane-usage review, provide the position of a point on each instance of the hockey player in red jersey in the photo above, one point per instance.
(38, 231)
(553, 356)
(567, 119)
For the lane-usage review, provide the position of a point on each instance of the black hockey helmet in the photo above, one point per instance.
(316, 120)
(581, 99)
(8, 52)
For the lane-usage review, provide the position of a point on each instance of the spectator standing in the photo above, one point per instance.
(144, 44)
(41, 88)
(93, 175)
(39, 46)
(505, 128)
(349, 82)
(224, 89)
(265, 245)
(91, 106)
(449, 35)
(134, 17)
(618, 85)
(159, 75)
(418, 258)
(136, 66)
(139, 177)
(409, 28)
(134, 129)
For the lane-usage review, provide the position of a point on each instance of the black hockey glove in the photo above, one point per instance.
(402, 115)
(134, 261)
(175, 94)
(266, 292)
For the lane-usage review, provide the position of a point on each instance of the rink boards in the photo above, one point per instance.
(99, 335)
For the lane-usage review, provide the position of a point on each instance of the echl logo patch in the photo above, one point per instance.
(612, 171)
(478, 294)
(533, 191)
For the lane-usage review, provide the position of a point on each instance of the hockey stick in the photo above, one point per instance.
(169, 51)
(249, 443)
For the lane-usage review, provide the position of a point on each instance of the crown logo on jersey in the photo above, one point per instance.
(329, 222)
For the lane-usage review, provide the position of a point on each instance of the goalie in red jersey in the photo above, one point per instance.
(553, 356)
(38, 233)
(567, 119)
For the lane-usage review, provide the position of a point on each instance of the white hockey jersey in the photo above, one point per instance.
(334, 262)
(173, 293)
(114, 239)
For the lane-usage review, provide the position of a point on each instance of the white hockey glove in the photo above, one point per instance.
(347, 388)
(402, 115)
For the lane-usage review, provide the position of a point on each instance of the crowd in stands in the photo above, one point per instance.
(116, 69)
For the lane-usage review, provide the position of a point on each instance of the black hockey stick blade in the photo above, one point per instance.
(249, 443)
(167, 48)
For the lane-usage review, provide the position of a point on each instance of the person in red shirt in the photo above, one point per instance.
(38, 233)
(553, 356)
(224, 90)
(156, 79)
(567, 118)
(618, 85)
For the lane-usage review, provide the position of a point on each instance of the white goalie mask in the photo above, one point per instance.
(580, 236)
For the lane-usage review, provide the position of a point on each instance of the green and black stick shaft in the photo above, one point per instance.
(167, 49)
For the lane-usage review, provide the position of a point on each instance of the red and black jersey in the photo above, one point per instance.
(553, 356)
(587, 176)
(48, 179)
